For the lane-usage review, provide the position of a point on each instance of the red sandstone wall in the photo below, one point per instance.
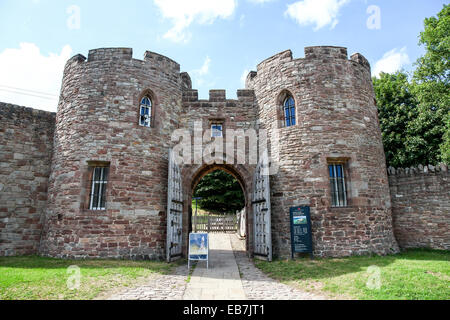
(98, 121)
(421, 206)
(336, 118)
(240, 114)
(26, 141)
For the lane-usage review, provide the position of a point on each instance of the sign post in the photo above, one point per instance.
(301, 231)
(196, 213)
(198, 248)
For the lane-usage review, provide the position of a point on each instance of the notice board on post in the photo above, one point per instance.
(301, 231)
(198, 248)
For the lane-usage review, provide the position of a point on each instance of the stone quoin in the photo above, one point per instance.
(92, 180)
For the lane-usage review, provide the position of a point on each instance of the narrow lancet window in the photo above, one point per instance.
(337, 184)
(289, 111)
(146, 112)
(98, 188)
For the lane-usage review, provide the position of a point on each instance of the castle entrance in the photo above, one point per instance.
(256, 212)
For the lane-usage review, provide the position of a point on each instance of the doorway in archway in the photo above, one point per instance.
(225, 202)
(218, 204)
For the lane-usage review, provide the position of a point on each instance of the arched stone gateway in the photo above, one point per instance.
(192, 174)
(255, 185)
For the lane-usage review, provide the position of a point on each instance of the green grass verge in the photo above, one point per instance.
(411, 275)
(37, 278)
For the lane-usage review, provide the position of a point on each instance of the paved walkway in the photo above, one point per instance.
(231, 276)
(222, 280)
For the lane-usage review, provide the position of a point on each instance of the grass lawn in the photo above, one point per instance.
(411, 275)
(36, 278)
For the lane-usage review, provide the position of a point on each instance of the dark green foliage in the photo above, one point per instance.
(431, 86)
(415, 115)
(221, 193)
(397, 108)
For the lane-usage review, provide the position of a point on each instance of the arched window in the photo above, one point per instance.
(289, 111)
(146, 112)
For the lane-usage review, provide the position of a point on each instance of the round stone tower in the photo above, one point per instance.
(336, 126)
(99, 126)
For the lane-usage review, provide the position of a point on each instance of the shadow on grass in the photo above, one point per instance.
(325, 268)
(37, 262)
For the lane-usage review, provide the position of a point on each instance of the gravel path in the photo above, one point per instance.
(159, 287)
(256, 285)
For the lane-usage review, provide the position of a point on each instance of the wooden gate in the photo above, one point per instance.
(216, 224)
(174, 211)
(262, 210)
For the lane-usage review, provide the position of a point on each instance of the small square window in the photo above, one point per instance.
(217, 131)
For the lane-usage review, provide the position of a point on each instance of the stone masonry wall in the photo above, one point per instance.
(98, 121)
(26, 141)
(337, 120)
(421, 206)
(239, 114)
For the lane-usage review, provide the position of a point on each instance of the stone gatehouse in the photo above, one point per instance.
(97, 179)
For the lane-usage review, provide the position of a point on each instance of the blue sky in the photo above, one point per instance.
(216, 41)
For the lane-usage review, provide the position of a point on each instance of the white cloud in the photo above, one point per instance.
(244, 77)
(198, 74)
(391, 62)
(204, 69)
(261, 1)
(242, 21)
(30, 78)
(316, 12)
(183, 13)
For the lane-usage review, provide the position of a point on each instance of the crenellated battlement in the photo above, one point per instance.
(243, 95)
(160, 61)
(110, 54)
(319, 54)
(125, 54)
(326, 52)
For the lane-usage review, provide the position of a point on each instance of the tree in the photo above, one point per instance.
(397, 108)
(431, 87)
(221, 193)
(415, 115)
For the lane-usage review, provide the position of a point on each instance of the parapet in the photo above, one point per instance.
(10, 111)
(126, 54)
(243, 95)
(161, 61)
(17, 116)
(186, 82)
(217, 95)
(326, 52)
(359, 58)
(323, 54)
(110, 54)
(284, 56)
(420, 169)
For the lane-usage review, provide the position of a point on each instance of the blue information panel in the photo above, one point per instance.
(198, 247)
(301, 235)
